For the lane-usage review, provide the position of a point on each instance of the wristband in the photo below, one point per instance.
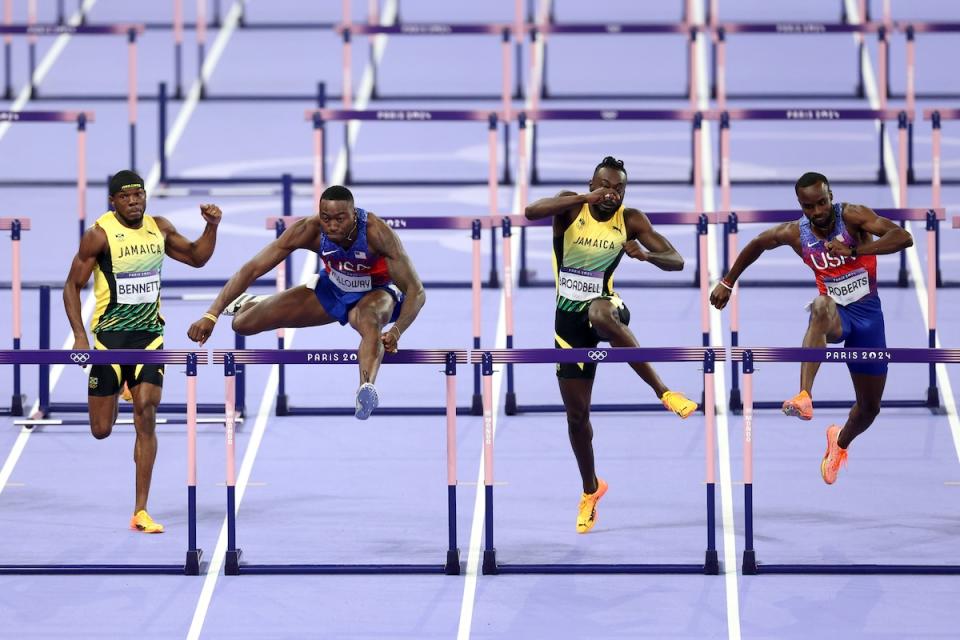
(212, 318)
(398, 331)
(724, 282)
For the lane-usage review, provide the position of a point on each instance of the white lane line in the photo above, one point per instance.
(913, 256)
(728, 526)
(364, 92)
(22, 99)
(468, 601)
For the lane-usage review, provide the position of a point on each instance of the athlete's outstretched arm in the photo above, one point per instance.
(891, 237)
(299, 235)
(659, 250)
(93, 243)
(194, 253)
(384, 241)
(787, 233)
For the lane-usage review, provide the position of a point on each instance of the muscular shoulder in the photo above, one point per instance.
(785, 233)
(381, 238)
(93, 242)
(856, 214)
(302, 234)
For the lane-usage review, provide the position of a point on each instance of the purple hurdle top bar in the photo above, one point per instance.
(706, 356)
(611, 28)
(113, 356)
(449, 357)
(904, 118)
(748, 356)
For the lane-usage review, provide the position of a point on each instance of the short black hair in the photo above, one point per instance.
(337, 192)
(809, 179)
(610, 163)
(125, 179)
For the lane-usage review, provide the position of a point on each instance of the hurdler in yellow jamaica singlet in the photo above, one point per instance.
(585, 257)
(127, 277)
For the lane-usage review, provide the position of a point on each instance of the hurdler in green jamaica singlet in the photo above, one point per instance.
(126, 279)
(585, 257)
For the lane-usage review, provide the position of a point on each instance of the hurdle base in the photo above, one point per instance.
(490, 567)
(452, 566)
(340, 569)
(711, 564)
(283, 408)
(933, 400)
(511, 403)
(16, 404)
(736, 403)
(91, 569)
(192, 565)
(860, 569)
(127, 408)
(749, 567)
(600, 568)
(559, 408)
(476, 405)
(381, 411)
(231, 565)
(846, 404)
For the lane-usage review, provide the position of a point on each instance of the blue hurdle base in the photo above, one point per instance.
(559, 408)
(490, 567)
(93, 569)
(16, 406)
(381, 411)
(127, 407)
(852, 569)
(341, 569)
(935, 409)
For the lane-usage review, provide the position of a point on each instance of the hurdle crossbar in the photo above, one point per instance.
(748, 356)
(81, 118)
(191, 359)
(931, 217)
(450, 358)
(16, 226)
(706, 356)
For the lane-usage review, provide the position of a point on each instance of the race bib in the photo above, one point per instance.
(350, 282)
(138, 287)
(580, 285)
(849, 287)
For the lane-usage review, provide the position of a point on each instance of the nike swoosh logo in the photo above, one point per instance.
(812, 244)
(327, 253)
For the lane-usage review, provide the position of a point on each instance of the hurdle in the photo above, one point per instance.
(538, 32)
(932, 217)
(190, 359)
(705, 356)
(936, 118)
(82, 118)
(449, 358)
(702, 280)
(719, 80)
(131, 31)
(320, 117)
(46, 406)
(413, 223)
(811, 115)
(748, 356)
(910, 29)
(16, 226)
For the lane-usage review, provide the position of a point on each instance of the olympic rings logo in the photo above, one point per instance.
(79, 358)
(596, 356)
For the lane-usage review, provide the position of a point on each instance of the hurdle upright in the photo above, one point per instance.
(190, 359)
(748, 356)
(706, 356)
(449, 358)
(81, 118)
(931, 217)
(16, 226)
(936, 118)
